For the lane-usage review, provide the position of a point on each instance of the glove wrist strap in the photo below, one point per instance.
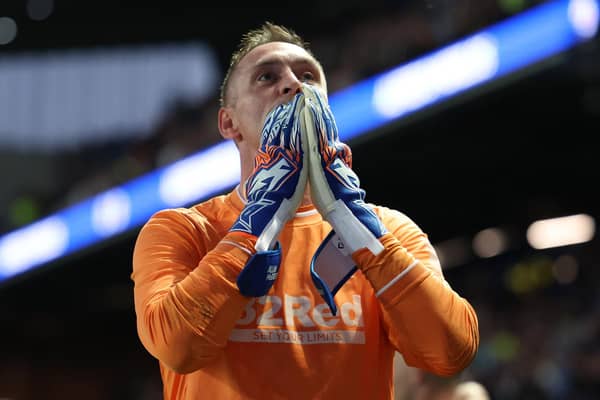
(260, 273)
(352, 232)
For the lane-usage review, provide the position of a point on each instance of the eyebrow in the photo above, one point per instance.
(279, 61)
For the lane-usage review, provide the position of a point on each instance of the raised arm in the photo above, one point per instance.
(186, 298)
(433, 327)
(427, 321)
(191, 283)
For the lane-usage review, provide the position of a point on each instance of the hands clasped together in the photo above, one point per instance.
(300, 143)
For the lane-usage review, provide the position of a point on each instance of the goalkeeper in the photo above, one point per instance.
(291, 286)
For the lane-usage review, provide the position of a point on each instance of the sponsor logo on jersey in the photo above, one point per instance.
(295, 319)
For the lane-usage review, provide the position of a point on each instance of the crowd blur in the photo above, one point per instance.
(367, 42)
(539, 316)
(540, 325)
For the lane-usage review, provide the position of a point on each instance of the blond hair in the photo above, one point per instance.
(267, 33)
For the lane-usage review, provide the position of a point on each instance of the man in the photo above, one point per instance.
(253, 295)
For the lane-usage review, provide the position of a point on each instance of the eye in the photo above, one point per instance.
(308, 76)
(267, 76)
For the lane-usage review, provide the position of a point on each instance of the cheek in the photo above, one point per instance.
(252, 116)
(251, 127)
(256, 121)
(255, 125)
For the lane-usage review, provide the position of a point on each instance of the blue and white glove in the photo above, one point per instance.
(335, 188)
(273, 191)
(336, 192)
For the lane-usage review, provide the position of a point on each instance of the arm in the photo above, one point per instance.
(186, 298)
(429, 323)
(426, 320)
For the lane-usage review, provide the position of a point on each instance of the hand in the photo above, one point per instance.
(273, 191)
(335, 188)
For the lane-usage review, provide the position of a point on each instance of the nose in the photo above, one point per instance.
(290, 84)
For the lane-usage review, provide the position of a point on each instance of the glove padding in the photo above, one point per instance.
(273, 191)
(335, 188)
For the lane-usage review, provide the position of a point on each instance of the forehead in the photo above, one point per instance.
(280, 52)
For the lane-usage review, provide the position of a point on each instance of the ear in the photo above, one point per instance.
(227, 124)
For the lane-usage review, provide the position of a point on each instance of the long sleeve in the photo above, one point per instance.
(427, 321)
(186, 298)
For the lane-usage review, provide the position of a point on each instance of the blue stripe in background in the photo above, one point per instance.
(527, 38)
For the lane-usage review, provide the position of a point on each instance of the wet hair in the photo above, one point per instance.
(267, 33)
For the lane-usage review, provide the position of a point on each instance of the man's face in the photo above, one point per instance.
(269, 75)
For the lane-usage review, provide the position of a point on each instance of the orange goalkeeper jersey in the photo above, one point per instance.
(214, 343)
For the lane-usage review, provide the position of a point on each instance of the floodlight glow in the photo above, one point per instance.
(489, 242)
(492, 53)
(111, 212)
(40, 242)
(583, 15)
(563, 231)
(199, 175)
(8, 30)
(503, 48)
(434, 77)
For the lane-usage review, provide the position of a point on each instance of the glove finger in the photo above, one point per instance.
(325, 147)
(292, 130)
(323, 109)
(282, 127)
(327, 120)
(322, 140)
(331, 125)
(330, 146)
(295, 144)
(269, 136)
(278, 123)
(312, 104)
(344, 152)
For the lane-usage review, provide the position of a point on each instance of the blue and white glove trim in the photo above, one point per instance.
(260, 273)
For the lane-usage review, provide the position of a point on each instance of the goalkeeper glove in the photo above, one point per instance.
(336, 192)
(335, 188)
(274, 191)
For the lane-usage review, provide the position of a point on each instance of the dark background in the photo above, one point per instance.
(505, 155)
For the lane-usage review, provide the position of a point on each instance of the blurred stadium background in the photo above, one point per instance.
(94, 95)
